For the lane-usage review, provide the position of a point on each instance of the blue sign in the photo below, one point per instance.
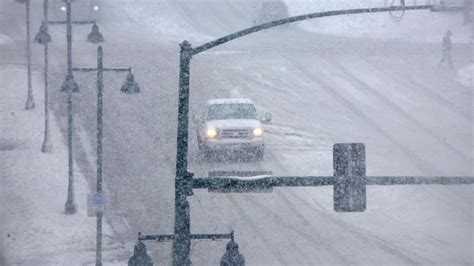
(98, 199)
(95, 204)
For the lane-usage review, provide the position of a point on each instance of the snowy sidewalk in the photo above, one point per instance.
(35, 230)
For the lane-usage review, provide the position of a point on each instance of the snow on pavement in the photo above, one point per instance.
(390, 208)
(35, 229)
(464, 75)
(4, 39)
(430, 224)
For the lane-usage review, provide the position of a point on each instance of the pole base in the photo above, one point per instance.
(47, 146)
(70, 207)
(30, 104)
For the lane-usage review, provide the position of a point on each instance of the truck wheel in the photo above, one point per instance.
(200, 146)
(259, 152)
(204, 151)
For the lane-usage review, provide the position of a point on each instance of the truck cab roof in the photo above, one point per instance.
(229, 101)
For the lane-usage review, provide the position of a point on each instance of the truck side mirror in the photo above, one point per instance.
(267, 118)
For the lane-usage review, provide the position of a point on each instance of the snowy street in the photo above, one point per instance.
(382, 86)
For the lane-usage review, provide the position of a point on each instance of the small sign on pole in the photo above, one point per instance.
(95, 204)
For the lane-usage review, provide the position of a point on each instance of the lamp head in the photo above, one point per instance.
(42, 37)
(69, 85)
(95, 36)
(130, 86)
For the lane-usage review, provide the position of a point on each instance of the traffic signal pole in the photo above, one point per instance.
(182, 242)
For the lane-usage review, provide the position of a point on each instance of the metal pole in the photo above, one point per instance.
(47, 144)
(30, 104)
(100, 86)
(70, 204)
(181, 242)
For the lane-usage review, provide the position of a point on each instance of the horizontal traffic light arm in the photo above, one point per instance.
(105, 69)
(224, 182)
(64, 22)
(265, 182)
(419, 180)
(161, 238)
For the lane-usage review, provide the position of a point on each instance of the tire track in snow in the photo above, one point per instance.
(419, 163)
(400, 252)
(317, 240)
(390, 248)
(439, 76)
(392, 252)
(426, 91)
(254, 229)
(254, 224)
(368, 89)
(259, 232)
(386, 246)
(435, 192)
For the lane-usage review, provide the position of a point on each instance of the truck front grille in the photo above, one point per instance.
(235, 134)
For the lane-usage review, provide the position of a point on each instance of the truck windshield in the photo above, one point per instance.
(231, 111)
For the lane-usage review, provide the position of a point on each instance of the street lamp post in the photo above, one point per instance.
(43, 37)
(129, 87)
(70, 206)
(69, 86)
(30, 104)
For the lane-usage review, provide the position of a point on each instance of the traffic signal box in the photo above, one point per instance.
(349, 177)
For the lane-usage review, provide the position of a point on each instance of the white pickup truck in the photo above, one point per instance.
(232, 126)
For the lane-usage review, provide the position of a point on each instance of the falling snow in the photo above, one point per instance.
(268, 111)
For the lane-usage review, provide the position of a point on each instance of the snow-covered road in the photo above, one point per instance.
(414, 118)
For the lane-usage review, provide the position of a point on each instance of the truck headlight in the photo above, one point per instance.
(63, 8)
(257, 132)
(96, 8)
(211, 133)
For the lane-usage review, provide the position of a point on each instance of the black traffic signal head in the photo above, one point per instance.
(349, 177)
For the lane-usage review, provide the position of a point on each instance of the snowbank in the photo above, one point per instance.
(36, 230)
(4, 40)
(416, 26)
(464, 75)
